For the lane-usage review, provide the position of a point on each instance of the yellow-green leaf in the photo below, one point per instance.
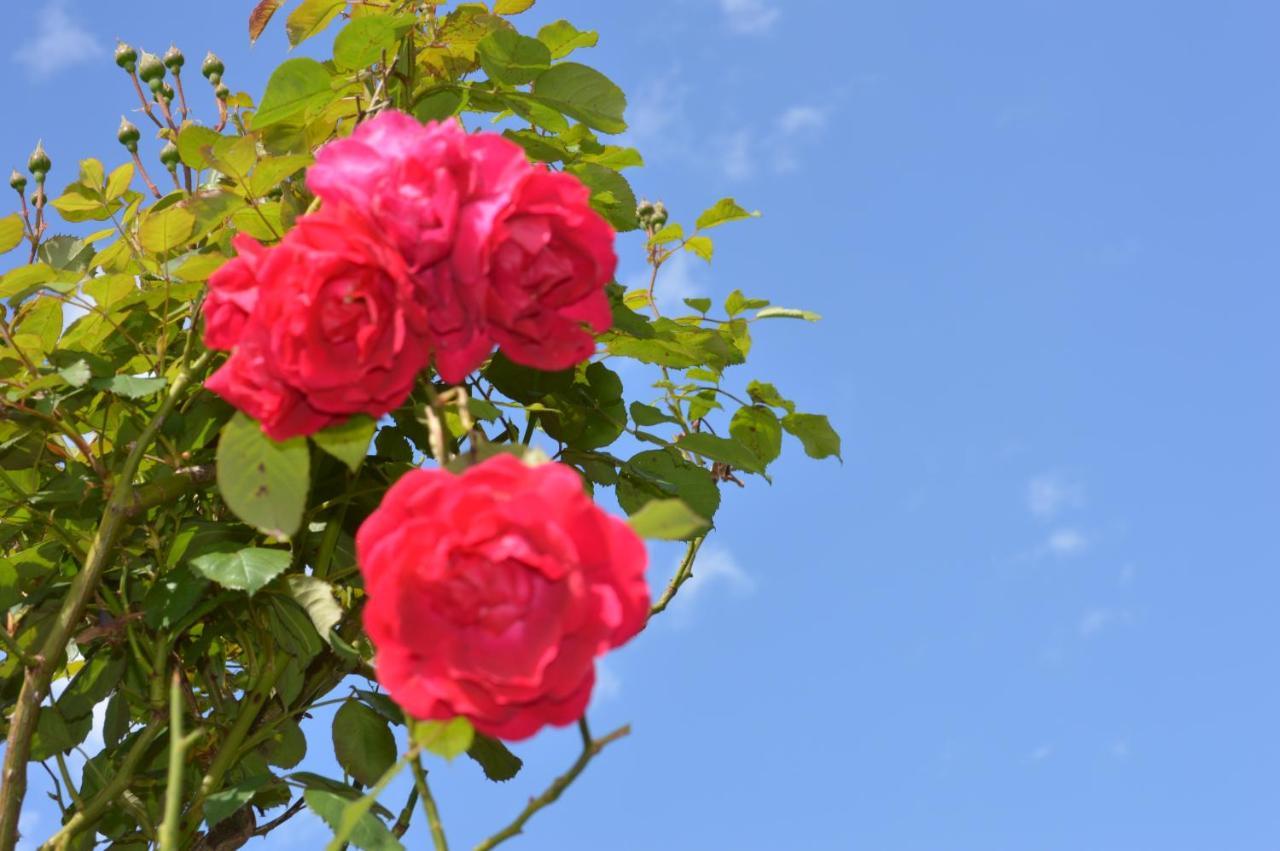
(11, 230)
(166, 230)
(311, 17)
(294, 87)
(118, 182)
(511, 7)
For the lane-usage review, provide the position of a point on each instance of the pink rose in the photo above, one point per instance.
(549, 258)
(427, 188)
(233, 292)
(336, 330)
(492, 593)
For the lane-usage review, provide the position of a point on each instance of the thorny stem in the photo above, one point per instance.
(590, 749)
(146, 105)
(142, 171)
(428, 804)
(683, 574)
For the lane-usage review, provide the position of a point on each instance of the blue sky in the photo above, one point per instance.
(1036, 607)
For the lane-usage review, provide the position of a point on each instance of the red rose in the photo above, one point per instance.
(549, 258)
(336, 330)
(491, 593)
(233, 292)
(428, 189)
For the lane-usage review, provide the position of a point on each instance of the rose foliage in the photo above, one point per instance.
(327, 422)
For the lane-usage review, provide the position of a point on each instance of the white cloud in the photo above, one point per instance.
(1041, 753)
(608, 683)
(1095, 621)
(60, 42)
(1049, 495)
(681, 277)
(715, 568)
(749, 17)
(1065, 543)
(736, 158)
(799, 119)
(1121, 749)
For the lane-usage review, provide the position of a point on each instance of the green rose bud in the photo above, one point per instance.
(222, 92)
(150, 68)
(173, 59)
(38, 198)
(39, 163)
(165, 91)
(169, 156)
(128, 134)
(18, 181)
(126, 57)
(212, 68)
(644, 212)
(659, 215)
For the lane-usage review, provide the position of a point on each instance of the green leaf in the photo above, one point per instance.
(11, 232)
(758, 429)
(311, 18)
(130, 386)
(364, 831)
(647, 415)
(701, 246)
(362, 742)
(720, 449)
(219, 805)
(737, 302)
(668, 520)
(763, 393)
(174, 595)
(316, 597)
(119, 180)
(499, 764)
(583, 93)
(611, 194)
(246, 570)
(94, 683)
(43, 320)
(439, 104)
(77, 374)
(335, 788)
(194, 143)
(166, 229)
(443, 738)
(787, 313)
(723, 211)
(348, 442)
(270, 172)
(296, 86)
(512, 59)
(92, 174)
(23, 278)
(511, 7)
(702, 305)
(815, 432)
(563, 38)
(263, 482)
(664, 474)
(362, 42)
(55, 734)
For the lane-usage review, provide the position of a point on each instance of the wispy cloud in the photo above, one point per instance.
(1096, 621)
(1049, 495)
(777, 147)
(1121, 749)
(60, 41)
(799, 119)
(716, 568)
(749, 17)
(1065, 543)
(737, 156)
(681, 277)
(608, 683)
(1041, 753)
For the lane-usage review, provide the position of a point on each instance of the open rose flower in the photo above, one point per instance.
(336, 329)
(428, 189)
(492, 593)
(232, 295)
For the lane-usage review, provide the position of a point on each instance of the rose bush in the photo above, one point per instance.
(491, 593)
(401, 314)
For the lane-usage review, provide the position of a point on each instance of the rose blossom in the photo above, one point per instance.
(335, 330)
(492, 592)
(233, 292)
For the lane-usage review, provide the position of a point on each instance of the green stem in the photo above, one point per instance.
(35, 683)
(428, 804)
(178, 744)
(683, 574)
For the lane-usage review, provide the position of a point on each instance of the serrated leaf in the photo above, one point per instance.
(264, 482)
(787, 313)
(166, 229)
(512, 59)
(130, 386)
(362, 42)
(316, 597)
(119, 180)
(349, 441)
(721, 449)
(362, 742)
(668, 520)
(563, 38)
(583, 93)
(664, 474)
(758, 429)
(611, 194)
(93, 684)
(193, 140)
(219, 805)
(701, 246)
(499, 764)
(311, 18)
(11, 232)
(723, 211)
(763, 393)
(365, 831)
(296, 86)
(244, 570)
(448, 739)
(77, 374)
(815, 432)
